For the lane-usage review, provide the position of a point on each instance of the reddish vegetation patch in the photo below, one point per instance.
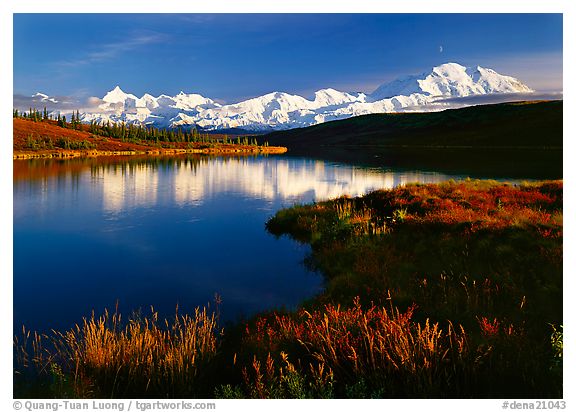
(47, 130)
(464, 207)
(478, 205)
(334, 329)
(23, 129)
(350, 342)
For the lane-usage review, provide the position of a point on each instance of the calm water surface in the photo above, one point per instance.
(166, 231)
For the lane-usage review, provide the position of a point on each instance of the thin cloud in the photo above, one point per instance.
(196, 18)
(22, 102)
(501, 97)
(110, 51)
(475, 100)
(62, 104)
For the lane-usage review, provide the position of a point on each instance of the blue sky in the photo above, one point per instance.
(231, 57)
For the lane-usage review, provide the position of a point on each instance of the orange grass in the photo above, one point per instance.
(361, 340)
(142, 357)
(385, 349)
(477, 204)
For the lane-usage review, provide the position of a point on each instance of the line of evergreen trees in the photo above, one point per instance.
(33, 114)
(133, 133)
(136, 133)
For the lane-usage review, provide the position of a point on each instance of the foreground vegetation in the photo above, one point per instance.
(448, 290)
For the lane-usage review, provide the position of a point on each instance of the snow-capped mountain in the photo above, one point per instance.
(451, 80)
(44, 98)
(279, 110)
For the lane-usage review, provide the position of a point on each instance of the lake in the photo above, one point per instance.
(167, 231)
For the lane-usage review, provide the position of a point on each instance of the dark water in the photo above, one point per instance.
(167, 231)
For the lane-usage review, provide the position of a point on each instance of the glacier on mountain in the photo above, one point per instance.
(279, 110)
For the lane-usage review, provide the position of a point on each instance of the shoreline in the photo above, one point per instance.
(64, 154)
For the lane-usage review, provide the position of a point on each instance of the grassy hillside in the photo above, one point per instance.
(508, 140)
(45, 138)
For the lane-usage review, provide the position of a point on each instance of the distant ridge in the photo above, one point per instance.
(513, 140)
(505, 125)
(280, 110)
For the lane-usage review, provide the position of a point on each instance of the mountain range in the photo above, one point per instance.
(427, 91)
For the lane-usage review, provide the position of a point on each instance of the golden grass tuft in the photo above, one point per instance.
(142, 356)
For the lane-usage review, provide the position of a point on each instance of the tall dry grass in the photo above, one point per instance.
(382, 347)
(103, 356)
